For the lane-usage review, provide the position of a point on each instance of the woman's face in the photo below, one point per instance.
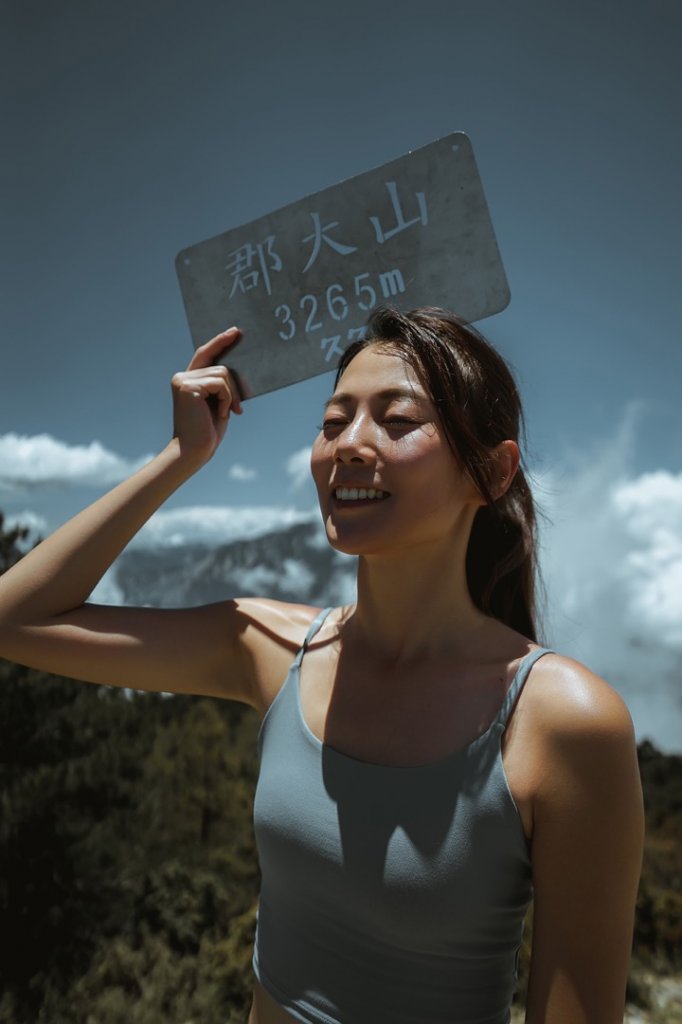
(386, 477)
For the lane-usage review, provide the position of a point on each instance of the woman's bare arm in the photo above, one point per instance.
(586, 852)
(45, 621)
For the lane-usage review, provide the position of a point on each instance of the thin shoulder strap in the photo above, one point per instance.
(314, 626)
(517, 684)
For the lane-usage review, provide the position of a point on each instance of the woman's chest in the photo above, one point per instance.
(400, 717)
(412, 718)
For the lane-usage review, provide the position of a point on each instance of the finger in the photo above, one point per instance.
(190, 380)
(236, 395)
(214, 370)
(208, 352)
(214, 387)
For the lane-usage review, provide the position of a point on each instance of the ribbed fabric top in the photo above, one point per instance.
(390, 895)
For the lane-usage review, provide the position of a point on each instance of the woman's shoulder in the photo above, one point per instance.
(272, 633)
(578, 745)
(285, 623)
(561, 697)
(578, 739)
(569, 702)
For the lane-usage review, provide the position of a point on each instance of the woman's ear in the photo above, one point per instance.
(506, 458)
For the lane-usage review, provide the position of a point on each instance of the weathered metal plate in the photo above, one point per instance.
(301, 281)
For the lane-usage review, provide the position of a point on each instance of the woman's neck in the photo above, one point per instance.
(415, 604)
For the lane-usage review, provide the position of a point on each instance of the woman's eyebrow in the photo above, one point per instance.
(344, 398)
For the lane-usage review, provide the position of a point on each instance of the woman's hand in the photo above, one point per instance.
(203, 397)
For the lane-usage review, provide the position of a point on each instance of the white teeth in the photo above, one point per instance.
(358, 493)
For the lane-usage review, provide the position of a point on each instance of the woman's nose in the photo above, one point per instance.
(354, 443)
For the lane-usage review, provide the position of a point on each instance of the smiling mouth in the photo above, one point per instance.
(359, 494)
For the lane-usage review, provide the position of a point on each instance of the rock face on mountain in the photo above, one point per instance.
(294, 564)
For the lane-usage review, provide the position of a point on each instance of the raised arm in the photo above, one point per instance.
(586, 850)
(44, 619)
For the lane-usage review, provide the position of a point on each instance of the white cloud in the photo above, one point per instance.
(296, 575)
(257, 579)
(341, 588)
(210, 524)
(107, 590)
(612, 560)
(651, 511)
(241, 473)
(293, 576)
(317, 539)
(297, 468)
(36, 525)
(41, 461)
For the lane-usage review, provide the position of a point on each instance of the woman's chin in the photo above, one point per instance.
(341, 544)
(349, 541)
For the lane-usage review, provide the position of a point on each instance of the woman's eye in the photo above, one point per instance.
(400, 421)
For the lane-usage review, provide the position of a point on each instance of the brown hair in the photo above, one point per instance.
(479, 406)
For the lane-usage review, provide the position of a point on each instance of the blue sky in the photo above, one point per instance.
(138, 129)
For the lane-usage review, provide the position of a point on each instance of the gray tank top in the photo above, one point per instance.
(390, 895)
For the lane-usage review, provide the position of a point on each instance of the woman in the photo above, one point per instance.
(426, 766)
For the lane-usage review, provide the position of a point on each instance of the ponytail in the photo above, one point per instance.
(501, 561)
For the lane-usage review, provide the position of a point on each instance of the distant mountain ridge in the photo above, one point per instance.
(292, 564)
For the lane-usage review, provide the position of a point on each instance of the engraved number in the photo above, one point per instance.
(367, 288)
(309, 325)
(283, 313)
(336, 303)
